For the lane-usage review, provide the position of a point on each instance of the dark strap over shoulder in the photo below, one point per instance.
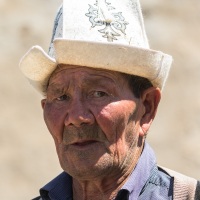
(197, 193)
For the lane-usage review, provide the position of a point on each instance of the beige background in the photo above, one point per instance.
(27, 157)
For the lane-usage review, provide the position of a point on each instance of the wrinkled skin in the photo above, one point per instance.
(98, 126)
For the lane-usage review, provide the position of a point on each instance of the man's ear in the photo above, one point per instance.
(150, 99)
(43, 102)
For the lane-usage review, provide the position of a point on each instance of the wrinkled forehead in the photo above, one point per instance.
(91, 72)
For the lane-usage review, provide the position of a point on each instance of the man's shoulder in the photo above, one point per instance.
(165, 183)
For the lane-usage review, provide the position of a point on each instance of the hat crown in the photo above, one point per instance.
(106, 21)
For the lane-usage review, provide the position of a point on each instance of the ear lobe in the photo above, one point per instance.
(150, 98)
(43, 102)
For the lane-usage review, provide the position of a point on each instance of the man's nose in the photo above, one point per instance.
(78, 114)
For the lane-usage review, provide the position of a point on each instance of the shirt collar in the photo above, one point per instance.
(60, 188)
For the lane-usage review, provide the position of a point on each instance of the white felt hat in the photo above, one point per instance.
(106, 34)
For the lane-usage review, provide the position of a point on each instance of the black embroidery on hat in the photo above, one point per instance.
(102, 14)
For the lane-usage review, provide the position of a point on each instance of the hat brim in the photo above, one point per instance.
(37, 66)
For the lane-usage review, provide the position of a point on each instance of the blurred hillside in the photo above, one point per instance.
(27, 157)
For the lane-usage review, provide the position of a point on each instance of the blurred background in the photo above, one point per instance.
(27, 155)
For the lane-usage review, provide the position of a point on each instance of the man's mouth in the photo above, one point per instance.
(84, 143)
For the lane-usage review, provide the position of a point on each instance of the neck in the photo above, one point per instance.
(104, 189)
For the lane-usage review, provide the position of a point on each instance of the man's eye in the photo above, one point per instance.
(63, 98)
(98, 94)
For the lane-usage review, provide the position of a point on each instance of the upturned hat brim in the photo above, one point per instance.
(38, 66)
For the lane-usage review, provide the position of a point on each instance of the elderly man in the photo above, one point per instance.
(102, 85)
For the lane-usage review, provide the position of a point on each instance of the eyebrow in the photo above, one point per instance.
(98, 79)
(55, 88)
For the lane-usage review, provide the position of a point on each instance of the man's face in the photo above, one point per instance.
(94, 119)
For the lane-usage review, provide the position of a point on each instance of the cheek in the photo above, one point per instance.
(114, 119)
(54, 119)
(117, 121)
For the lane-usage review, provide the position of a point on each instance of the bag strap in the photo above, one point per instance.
(184, 186)
(197, 195)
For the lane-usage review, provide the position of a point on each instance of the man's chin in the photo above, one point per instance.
(86, 165)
